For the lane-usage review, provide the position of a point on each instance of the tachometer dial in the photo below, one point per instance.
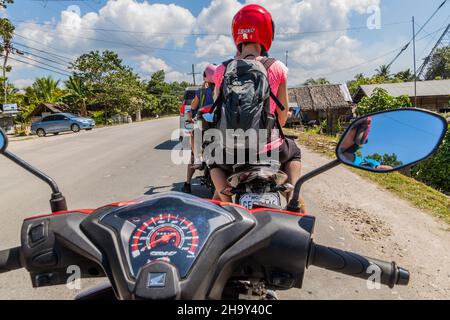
(166, 237)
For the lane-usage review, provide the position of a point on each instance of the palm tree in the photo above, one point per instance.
(405, 75)
(46, 90)
(383, 71)
(78, 93)
(315, 82)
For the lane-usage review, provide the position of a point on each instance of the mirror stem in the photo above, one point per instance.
(57, 201)
(293, 205)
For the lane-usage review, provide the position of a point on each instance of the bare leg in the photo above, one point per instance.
(294, 170)
(190, 170)
(219, 179)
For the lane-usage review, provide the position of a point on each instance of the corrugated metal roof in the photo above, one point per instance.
(424, 88)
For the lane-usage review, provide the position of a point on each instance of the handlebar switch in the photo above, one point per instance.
(37, 233)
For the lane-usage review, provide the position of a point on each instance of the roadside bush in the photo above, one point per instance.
(380, 100)
(435, 171)
(98, 116)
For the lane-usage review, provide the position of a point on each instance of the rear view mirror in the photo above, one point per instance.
(391, 140)
(3, 141)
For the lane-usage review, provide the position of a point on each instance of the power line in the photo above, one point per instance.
(375, 58)
(43, 63)
(19, 52)
(39, 67)
(40, 50)
(205, 34)
(423, 26)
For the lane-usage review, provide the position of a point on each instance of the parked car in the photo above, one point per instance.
(61, 122)
(189, 95)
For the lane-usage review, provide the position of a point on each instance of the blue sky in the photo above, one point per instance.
(150, 35)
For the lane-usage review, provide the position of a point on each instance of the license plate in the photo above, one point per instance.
(248, 199)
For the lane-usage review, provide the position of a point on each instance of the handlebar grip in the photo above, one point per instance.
(10, 260)
(355, 265)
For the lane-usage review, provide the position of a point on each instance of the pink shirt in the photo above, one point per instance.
(277, 74)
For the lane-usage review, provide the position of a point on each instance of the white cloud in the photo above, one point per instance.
(155, 25)
(22, 83)
(215, 46)
(150, 65)
(151, 25)
(216, 18)
(310, 53)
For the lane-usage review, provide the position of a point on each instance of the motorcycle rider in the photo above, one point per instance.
(354, 140)
(253, 32)
(203, 102)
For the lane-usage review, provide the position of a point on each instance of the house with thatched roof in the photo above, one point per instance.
(45, 109)
(322, 102)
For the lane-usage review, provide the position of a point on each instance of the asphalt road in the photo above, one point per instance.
(123, 162)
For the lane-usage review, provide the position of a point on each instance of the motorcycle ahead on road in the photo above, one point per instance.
(178, 246)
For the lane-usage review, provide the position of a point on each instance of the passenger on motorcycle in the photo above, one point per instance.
(354, 140)
(202, 102)
(253, 33)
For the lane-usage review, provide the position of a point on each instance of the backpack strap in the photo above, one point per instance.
(267, 63)
(216, 107)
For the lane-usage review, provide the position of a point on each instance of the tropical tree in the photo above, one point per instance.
(405, 75)
(6, 35)
(440, 64)
(77, 93)
(315, 82)
(44, 90)
(383, 71)
(114, 86)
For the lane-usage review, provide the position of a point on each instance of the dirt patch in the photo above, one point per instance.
(361, 223)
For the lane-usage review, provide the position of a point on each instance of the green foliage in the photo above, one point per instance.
(382, 75)
(77, 94)
(113, 85)
(440, 64)
(435, 171)
(380, 100)
(45, 90)
(98, 116)
(6, 32)
(386, 159)
(315, 82)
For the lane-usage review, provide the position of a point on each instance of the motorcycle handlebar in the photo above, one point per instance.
(355, 265)
(10, 259)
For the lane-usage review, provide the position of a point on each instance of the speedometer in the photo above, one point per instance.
(166, 237)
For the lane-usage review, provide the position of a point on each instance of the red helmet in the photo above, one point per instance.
(363, 130)
(253, 23)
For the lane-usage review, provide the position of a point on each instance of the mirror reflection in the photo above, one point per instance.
(2, 140)
(391, 140)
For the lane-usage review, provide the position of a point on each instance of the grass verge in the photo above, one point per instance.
(417, 193)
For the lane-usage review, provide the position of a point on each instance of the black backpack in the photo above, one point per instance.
(244, 100)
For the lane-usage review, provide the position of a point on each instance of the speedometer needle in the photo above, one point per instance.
(164, 239)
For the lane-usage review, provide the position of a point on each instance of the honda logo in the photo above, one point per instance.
(156, 279)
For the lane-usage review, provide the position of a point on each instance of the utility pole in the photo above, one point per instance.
(193, 73)
(287, 52)
(414, 57)
(5, 61)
